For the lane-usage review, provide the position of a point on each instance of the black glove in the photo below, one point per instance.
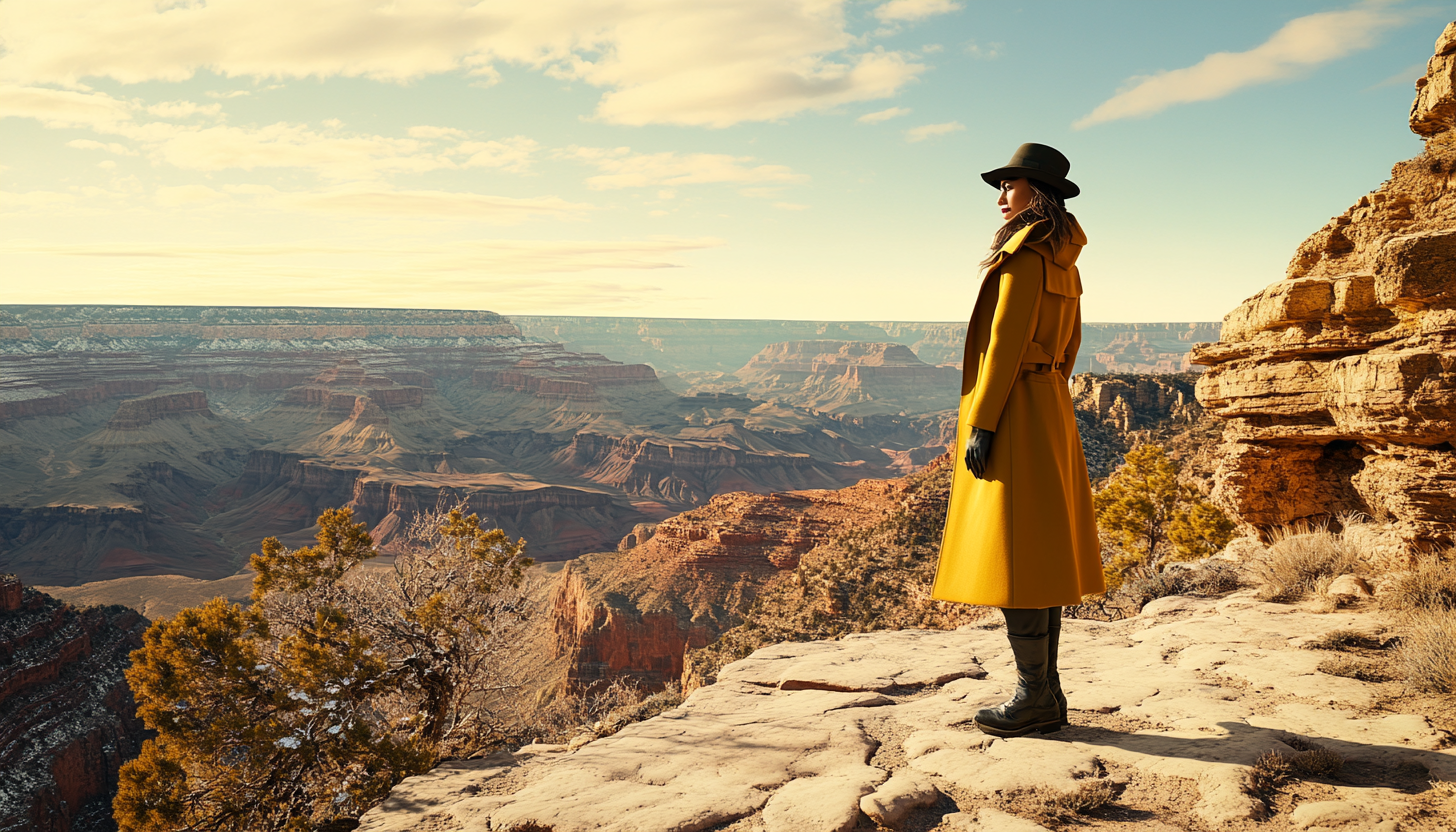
(978, 452)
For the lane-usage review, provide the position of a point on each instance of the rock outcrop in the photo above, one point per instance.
(831, 735)
(851, 377)
(67, 720)
(632, 614)
(1338, 382)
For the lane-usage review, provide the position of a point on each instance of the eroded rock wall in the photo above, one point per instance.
(67, 719)
(1338, 383)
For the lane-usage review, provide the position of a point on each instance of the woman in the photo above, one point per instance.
(1020, 533)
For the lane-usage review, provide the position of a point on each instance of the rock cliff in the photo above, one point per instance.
(686, 580)
(67, 720)
(850, 377)
(1338, 383)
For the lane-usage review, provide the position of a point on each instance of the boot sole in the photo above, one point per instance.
(1039, 728)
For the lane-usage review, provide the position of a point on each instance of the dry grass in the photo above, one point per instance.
(1059, 807)
(1427, 653)
(1352, 668)
(1345, 641)
(1299, 558)
(1269, 772)
(1318, 761)
(1431, 585)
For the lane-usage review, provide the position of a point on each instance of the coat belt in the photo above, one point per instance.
(1030, 367)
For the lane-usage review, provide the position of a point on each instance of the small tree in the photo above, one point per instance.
(335, 684)
(1154, 518)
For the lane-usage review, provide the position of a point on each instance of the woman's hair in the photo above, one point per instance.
(1046, 205)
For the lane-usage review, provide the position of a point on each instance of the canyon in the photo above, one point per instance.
(1338, 383)
(146, 441)
(688, 345)
(67, 719)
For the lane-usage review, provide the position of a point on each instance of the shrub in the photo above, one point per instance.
(1298, 558)
(1318, 761)
(1351, 668)
(1344, 640)
(1430, 585)
(337, 683)
(1269, 772)
(1151, 519)
(1427, 653)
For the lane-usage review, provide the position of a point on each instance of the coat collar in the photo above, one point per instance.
(1064, 258)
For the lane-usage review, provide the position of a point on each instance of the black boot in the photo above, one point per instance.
(1054, 677)
(1033, 707)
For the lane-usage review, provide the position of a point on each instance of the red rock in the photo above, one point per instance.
(67, 719)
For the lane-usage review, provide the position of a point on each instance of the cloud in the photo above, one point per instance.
(987, 52)
(621, 168)
(425, 204)
(334, 154)
(425, 131)
(183, 109)
(63, 108)
(513, 154)
(712, 64)
(883, 115)
(171, 197)
(477, 257)
(898, 10)
(12, 202)
(109, 147)
(926, 131)
(1300, 44)
(790, 206)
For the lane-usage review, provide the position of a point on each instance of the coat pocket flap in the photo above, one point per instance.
(1064, 282)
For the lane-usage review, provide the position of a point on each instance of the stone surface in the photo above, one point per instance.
(67, 719)
(1201, 688)
(1351, 586)
(897, 797)
(1338, 383)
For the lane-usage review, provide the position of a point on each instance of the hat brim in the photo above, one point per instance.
(994, 178)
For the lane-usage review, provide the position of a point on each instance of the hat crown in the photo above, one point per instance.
(1040, 157)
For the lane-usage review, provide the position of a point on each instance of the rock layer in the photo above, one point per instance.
(680, 345)
(1339, 381)
(170, 440)
(67, 719)
(632, 614)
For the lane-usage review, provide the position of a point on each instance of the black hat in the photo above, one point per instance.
(1036, 161)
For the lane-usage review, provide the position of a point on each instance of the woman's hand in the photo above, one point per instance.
(978, 452)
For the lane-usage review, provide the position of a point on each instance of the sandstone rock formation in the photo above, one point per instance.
(170, 440)
(849, 377)
(67, 720)
(632, 614)
(1339, 381)
(706, 346)
(1170, 708)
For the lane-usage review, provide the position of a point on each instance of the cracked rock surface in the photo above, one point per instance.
(811, 736)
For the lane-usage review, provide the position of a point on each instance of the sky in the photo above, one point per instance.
(800, 159)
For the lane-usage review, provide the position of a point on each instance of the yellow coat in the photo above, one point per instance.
(1025, 536)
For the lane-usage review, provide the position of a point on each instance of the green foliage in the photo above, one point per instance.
(335, 684)
(1153, 518)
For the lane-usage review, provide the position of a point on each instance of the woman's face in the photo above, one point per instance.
(1015, 196)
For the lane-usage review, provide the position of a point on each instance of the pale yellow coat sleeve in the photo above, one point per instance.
(1020, 289)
